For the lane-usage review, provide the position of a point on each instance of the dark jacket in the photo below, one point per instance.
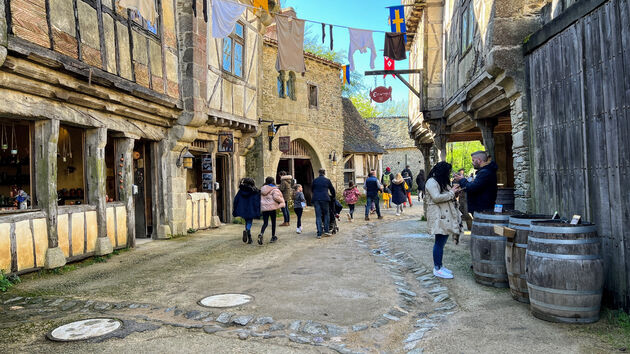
(371, 186)
(321, 187)
(407, 178)
(408, 171)
(399, 195)
(247, 202)
(420, 181)
(482, 191)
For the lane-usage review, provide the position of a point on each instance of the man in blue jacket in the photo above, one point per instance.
(482, 191)
(321, 199)
(372, 186)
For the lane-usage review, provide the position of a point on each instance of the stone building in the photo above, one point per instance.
(473, 84)
(99, 108)
(361, 151)
(393, 134)
(311, 106)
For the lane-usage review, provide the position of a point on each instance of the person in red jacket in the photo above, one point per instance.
(271, 199)
(351, 196)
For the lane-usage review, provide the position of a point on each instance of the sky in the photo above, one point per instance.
(361, 14)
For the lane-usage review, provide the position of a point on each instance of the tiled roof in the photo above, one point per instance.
(391, 132)
(357, 138)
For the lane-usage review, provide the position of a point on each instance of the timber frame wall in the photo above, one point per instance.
(579, 88)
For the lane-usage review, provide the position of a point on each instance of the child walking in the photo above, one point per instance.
(387, 196)
(270, 200)
(247, 205)
(351, 196)
(298, 206)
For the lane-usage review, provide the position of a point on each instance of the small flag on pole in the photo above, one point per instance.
(397, 20)
(389, 64)
(345, 74)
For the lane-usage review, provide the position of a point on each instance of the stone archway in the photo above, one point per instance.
(302, 162)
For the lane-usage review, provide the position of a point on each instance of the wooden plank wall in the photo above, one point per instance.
(579, 87)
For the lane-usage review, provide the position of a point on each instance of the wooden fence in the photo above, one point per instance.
(579, 91)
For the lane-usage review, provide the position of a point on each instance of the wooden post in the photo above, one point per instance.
(46, 138)
(487, 132)
(96, 139)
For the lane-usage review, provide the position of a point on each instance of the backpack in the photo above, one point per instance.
(386, 179)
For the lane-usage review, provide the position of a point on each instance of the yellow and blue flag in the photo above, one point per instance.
(345, 74)
(397, 20)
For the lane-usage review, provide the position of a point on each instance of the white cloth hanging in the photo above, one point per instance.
(361, 40)
(224, 17)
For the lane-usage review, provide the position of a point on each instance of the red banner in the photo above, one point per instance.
(389, 64)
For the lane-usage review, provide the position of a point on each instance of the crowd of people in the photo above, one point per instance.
(447, 205)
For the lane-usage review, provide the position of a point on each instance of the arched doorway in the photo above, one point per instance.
(299, 162)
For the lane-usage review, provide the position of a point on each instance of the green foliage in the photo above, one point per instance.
(238, 221)
(614, 328)
(7, 282)
(191, 231)
(368, 109)
(458, 154)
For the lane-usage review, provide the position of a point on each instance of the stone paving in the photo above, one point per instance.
(422, 304)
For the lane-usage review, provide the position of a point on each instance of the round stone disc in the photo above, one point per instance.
(85, 329)
(226, 300)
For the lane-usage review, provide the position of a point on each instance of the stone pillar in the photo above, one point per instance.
(96, 139)
(487, 132)
(46, 138)
(440, 145)
(426, 155)
(124, 172)
(521, 155)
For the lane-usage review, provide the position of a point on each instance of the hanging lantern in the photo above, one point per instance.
(188, 160)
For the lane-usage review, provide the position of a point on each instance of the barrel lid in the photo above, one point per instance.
(554, 226)
(491, 215)
(526, 219)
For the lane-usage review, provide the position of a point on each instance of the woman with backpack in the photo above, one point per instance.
(247, 205)
(443, 217)
(271, 199)
(399, 194)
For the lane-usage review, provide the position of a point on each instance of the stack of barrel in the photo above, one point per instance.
(555, 266)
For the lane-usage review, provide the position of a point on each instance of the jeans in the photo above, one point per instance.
(321, 211)
(266, 216)
(298, 213)
(438, 250)
(351, 206)
(285, 213)
(248, 224)
(376, 202)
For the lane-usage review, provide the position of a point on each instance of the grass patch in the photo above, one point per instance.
(613, 328)
(238, 221)
(7, 281)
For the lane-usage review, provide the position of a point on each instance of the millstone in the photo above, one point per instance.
(226, 300)
(85, 329)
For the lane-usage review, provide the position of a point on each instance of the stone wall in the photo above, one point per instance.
(395, 159)
(321, 128)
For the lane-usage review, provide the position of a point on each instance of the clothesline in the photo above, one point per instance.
(311, 21)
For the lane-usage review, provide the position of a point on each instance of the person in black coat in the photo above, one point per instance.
(247, 205)
(420, 182)
(399, 195)
(482, 191)
(322, 190)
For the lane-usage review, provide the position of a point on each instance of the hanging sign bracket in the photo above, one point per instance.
(398, 74)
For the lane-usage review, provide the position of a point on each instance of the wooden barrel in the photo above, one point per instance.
(515, 250)
(487, 249)
(565, 272)
(505, 197)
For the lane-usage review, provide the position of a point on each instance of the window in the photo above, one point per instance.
(70, 165)
(312, 96)
(281, 84)
(233, 51)
(291, 86)
(468, 26)
(16, 165)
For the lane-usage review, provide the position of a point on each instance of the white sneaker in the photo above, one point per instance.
(442, 274)
(349, 217)
(446, 270)
(298, 230)
(397, 214)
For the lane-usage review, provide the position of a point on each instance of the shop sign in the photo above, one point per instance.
(206, 173)
(226, 142)
(381, 94)
(285, 144)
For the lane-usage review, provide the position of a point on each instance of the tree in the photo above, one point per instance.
(458, 154)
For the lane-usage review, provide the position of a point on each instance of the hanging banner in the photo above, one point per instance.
(206, 173)
(345, 74)
(226, 142)
(389, 64)
(397, 20)
(381, 94)
(285, 144)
